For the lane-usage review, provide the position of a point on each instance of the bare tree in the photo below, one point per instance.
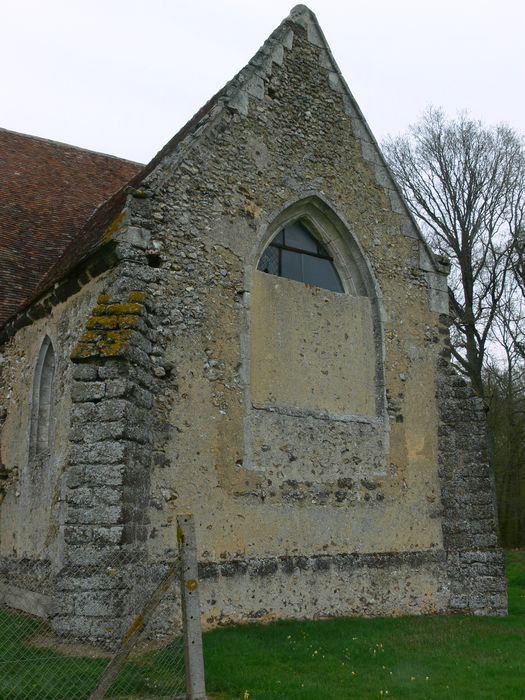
(518, 259)
(515, 316)
(504, 383)
(509, 327)
(465, 183)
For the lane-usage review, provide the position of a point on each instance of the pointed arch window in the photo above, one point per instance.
(42, 401)
(294, 253)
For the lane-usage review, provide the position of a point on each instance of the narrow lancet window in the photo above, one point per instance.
(42, 401)
(294, 253)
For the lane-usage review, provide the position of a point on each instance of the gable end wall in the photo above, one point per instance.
(303, 510)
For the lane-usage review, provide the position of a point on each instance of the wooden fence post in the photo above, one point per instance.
(191, 614)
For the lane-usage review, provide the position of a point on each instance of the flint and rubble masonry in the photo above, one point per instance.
(334, 462)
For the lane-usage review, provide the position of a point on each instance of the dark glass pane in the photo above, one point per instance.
(312, 266)
(322, 251)
(278, 239)
(291, 265)
(321, 273)
(296, 236)
(269, 261)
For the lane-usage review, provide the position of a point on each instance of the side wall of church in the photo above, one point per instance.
(33, 487)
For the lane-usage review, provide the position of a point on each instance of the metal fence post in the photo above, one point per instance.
(191, 616)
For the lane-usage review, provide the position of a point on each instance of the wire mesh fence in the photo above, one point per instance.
(113, 629)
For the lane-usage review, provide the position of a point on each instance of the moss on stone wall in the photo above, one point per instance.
(108, 328)
(111, 230)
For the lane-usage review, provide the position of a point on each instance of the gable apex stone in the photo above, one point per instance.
(302, 15)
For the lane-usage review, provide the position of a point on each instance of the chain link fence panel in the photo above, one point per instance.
(107, 630)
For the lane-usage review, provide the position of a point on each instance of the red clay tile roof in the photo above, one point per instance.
(47, 192)
(90, 236)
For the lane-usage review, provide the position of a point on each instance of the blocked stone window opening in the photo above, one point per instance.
(295, 254)
(289, 331)
(42, 401)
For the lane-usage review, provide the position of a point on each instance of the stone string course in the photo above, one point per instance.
(262, 567)
(387, 583)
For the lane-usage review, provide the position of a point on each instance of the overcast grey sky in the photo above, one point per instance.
(122, 76)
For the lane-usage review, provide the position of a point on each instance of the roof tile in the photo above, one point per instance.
(49, 190)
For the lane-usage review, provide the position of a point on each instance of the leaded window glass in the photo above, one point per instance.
(294, 253)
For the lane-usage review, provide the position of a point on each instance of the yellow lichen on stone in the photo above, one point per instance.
(83, 350)
(113, 343)
(108, 343)
(103, 322)
(99, 310)
(90, 337)
(137, 297)
(125, 309)
(108, 328)
(110, 323)
(111, 230)
(127, 320)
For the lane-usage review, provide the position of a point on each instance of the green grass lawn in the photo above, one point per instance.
(31, 673)
(425, 658)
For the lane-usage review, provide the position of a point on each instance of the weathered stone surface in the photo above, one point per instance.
(402, 583)
(31, 602)
(475, 564)
(333, 460)
(88, 391)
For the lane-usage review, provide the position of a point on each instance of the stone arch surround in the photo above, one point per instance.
(354, 269)
(42, 414)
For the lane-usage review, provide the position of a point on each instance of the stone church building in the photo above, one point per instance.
(250, 328)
